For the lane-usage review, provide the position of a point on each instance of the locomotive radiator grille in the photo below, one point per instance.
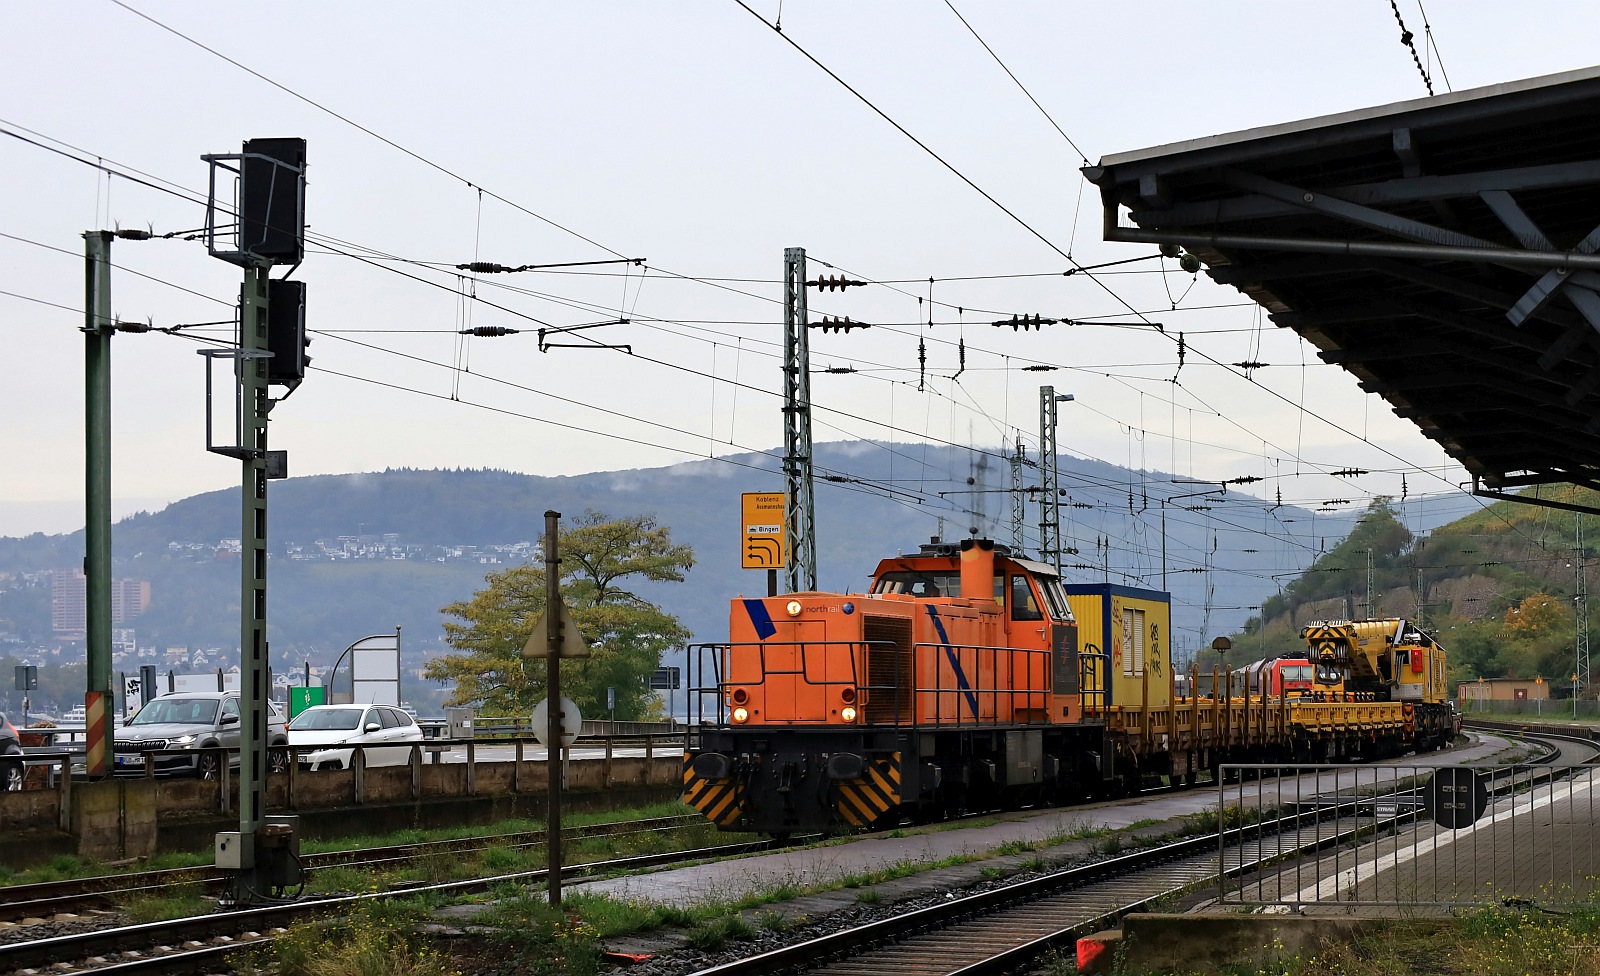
(713, 797)
(864, 800)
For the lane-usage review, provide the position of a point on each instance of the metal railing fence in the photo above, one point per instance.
(1399, 836)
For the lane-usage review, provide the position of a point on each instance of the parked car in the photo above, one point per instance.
(11, 768)
(384, 732)
(199, 723)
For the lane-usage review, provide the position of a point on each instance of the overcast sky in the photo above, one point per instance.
(695, 137)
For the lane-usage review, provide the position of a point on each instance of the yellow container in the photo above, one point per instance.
(1131, 628)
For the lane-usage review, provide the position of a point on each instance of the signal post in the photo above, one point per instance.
(262, 856)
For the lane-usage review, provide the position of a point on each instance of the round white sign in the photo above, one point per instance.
(571, 721)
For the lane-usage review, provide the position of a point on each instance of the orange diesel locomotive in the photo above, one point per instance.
(953, 683)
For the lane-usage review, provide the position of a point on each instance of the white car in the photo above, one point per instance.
(384, 732)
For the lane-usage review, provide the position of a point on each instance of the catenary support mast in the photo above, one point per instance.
(97, 331)
(800, 515)
(1049, 503)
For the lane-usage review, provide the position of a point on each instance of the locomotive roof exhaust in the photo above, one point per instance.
(977, 569)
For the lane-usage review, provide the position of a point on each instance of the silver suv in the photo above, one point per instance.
(200, 724)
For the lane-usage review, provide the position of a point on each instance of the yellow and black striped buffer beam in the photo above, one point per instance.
(716, 798)
(877, 791)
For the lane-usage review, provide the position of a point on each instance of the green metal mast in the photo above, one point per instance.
(253, 692)
(98, 329)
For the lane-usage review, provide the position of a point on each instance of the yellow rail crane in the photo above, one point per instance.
(1389, 660)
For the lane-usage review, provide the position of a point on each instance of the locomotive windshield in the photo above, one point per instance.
(928, 584)
(1014, 592)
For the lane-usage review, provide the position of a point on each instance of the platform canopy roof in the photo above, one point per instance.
(1445, 251)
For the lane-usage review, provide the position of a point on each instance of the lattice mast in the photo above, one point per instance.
(1049, 508)
(799, 520)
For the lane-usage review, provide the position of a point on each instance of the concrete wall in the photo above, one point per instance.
(135, 817)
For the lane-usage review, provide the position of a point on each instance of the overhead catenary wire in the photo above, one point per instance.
(1012, 75)
(100, 161)
(1019, 220)
(686, 277)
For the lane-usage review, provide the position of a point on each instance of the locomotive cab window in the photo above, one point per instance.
(1055, 599)
(1023, 605)
(910, 583)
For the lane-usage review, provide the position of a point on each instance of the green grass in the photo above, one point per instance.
(712, 935)
(471, 831)
(346, 880)
(1489, 942)
(1109, 844)
(155, 908)
(378, 939)
(771, 922)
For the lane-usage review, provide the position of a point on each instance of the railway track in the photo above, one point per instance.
(201, 943)
(1007, 929)
(45, 900)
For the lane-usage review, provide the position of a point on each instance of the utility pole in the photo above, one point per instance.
(553, 741)
(1580, 607)
(1372, 614)
(799, 517)
(97, 331)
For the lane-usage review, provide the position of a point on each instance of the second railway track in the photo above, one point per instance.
(46, 900)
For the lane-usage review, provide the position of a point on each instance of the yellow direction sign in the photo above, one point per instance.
(572, 642)
(763, 545)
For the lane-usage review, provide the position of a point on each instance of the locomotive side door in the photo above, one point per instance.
(1065, 667)
(1041, 620)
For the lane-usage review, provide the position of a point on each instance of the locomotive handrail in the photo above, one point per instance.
(720, 683)
(972, 694)
(1092, 684)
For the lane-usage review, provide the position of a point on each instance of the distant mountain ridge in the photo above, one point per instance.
(317, 606)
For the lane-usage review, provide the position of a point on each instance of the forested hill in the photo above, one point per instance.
(334, 573)
(1497, 586)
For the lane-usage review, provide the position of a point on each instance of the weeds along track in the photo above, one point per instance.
(201, 943)
(46, 900)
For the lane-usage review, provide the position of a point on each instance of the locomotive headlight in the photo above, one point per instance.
(793, 608)
(741, 715)
(847, 713)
